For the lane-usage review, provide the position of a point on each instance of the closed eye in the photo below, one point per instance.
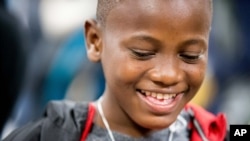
(190, 58)
(142, 54)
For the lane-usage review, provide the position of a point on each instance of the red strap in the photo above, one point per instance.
(213, 126)
(91, 115)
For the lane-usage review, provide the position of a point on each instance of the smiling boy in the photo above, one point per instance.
(154, 55)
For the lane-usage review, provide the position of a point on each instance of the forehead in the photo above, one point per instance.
(170, 11)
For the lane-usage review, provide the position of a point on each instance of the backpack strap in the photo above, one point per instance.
(206, 126)
(90, 118)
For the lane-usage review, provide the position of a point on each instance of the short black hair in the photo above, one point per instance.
(105, 6)
(103, 9)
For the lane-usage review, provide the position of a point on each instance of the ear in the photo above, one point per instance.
(93, 40)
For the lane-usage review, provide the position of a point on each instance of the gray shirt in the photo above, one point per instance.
(65, 120)
(178, 131)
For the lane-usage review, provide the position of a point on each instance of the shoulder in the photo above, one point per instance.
(206, 124)
(65, 110)
(62, 120)
(29, 132)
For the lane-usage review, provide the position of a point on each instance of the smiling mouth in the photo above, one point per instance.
(160, 103)
(157, 96)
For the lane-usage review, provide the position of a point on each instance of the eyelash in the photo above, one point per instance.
(190, 58)
(142, 55)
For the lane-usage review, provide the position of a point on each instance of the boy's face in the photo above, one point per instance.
(154, 56)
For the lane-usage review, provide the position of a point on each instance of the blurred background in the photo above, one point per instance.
(43, 58)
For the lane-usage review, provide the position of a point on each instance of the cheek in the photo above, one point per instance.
(128, 72)
(195, 75)
(120, 69)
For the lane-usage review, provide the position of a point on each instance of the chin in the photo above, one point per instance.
(158, 124)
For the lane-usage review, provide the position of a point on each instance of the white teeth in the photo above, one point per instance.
(153, 94)
(147, 93)
(166, 96)
(172, 95)
(159, 96)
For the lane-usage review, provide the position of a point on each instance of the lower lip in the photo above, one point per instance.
(159, 106)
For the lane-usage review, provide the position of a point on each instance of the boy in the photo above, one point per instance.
(154, 57)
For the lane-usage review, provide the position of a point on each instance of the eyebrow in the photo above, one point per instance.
(194, 41)
(147, 38)
(156, 42)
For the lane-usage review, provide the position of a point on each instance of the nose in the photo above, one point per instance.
(167, 74)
